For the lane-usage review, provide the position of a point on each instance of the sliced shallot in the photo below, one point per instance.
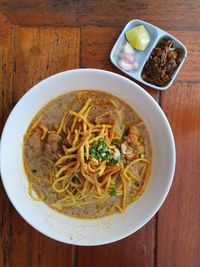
(129, 57)
(127, 48)
(124, 64)
(126, 59)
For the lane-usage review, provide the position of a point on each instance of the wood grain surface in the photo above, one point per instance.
(29, 55)
(179, 218)
(136, 250)
(6, 71)
(96, 45)
(6, 81)
(166, 14)
(50, 50)
(41, 37)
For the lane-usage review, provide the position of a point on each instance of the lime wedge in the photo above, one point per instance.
(138, 37)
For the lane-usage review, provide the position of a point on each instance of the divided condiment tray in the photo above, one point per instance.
(141, 57)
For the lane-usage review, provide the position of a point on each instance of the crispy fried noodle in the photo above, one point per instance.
(87, 160)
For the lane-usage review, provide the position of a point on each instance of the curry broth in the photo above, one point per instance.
(39, 152)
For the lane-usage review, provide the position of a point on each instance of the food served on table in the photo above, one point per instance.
(138, 37)
(162, 62)
(87, 154)
(126, 58)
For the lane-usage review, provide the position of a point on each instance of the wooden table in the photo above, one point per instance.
(39, 38)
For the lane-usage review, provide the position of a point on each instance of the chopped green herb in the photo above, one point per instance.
(60, 142)
(94, 145)
(106, 149)
(113, 161)
(140, 139)
(34, 171)
(135, 150)
(129, 143)
(142, 156)
(100, 150)
(113, 192)
(98, 154)
(92, 153)
(137, 184)
(103, 154)
(105, 146)
(100, 147)
(116, 142)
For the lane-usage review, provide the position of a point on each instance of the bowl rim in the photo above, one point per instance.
(164, 193)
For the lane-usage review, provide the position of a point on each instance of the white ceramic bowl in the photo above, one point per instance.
(91, 231)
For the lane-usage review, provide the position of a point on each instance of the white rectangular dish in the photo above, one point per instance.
(141, 57)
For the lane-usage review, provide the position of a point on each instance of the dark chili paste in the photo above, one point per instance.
(162, 62)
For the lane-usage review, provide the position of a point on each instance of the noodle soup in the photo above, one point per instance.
(87, 154)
